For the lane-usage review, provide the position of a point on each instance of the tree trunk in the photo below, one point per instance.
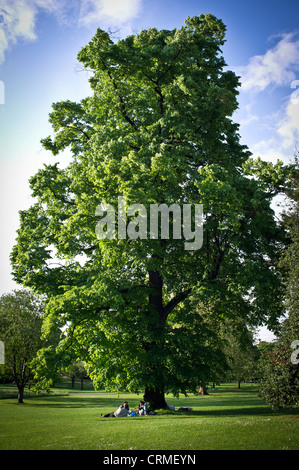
(155, 398)
(154, 395)
(202, 389)
(20, 394)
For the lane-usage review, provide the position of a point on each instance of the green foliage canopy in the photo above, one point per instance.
(157, 129)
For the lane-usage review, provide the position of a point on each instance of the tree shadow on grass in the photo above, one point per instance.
(65, 401)
(233, 411)
(205, 407)
(106, 405)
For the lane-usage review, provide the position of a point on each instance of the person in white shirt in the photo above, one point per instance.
(123, 410)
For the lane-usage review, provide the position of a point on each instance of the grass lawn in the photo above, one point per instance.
(69, 419)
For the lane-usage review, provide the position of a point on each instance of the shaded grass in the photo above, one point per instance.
(69, 419)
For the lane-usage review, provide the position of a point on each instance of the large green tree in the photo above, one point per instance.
(157, 129)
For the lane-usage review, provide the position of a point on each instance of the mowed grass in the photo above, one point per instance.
(69, 420)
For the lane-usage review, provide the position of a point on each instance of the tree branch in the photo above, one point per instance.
(61, 198)
(122, 105)
(174, 302)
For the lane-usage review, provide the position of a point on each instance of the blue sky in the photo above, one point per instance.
(39, 42)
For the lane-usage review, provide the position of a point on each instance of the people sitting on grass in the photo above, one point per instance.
(123, 410)
(142, 409)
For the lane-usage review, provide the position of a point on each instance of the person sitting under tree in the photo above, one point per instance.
(123, 410)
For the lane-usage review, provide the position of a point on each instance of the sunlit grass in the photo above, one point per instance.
(69, 419)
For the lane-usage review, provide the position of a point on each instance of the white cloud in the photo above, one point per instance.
(277, 133)
(247, 117)
(270, 150)
(280, 132)
(278, 66)
(288, 127)
(120, 11)
(3, 45)
(281, 135)
(18, 17)
(17, 20)
(248, 120)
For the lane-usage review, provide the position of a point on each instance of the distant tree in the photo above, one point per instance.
(290, 258)
(264, 347)
(241, 352)
(214, 364)
(279, 384)
(20, 330)
(77, 370)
